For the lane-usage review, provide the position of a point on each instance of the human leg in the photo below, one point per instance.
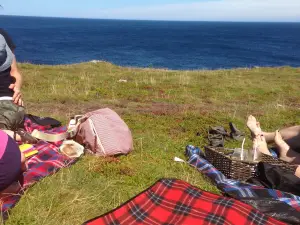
(11, 115)
(291, 135)
(13, 135)
(21, 135)
(253, 126)
(259, 142)
(260, 145)
(286, 153)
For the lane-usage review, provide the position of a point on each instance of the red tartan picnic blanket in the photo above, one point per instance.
(172, 201)
(47, 162)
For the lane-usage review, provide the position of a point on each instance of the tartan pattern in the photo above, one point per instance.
(47, 162)
(171, 201)
(240, 190)
(31, 126)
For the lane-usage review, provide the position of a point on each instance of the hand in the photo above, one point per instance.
(17, 97)
(20, 102)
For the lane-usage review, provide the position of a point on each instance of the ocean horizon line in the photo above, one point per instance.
(146, 20)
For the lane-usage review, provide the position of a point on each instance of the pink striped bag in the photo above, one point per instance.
(104, 133)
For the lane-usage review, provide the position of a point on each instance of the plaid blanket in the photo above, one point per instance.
(31, 126)
(284, 206)
(47, 162)
(171, 201)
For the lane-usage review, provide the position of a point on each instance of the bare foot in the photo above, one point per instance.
(260, 145)
(253, 126)
(280, 143)
(283, 148)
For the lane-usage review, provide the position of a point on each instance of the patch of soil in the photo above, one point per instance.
(126, 171)
(111, 160)
(57, 109)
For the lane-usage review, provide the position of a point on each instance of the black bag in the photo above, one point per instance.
(274, 208)
(274, 177)
(44, 121)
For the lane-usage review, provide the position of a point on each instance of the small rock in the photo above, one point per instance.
(95, 61)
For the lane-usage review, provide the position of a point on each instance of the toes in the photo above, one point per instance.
(251, 118)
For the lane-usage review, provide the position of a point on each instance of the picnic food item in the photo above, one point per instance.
(71, 149)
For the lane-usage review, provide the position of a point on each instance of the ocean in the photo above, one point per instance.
(156, 44)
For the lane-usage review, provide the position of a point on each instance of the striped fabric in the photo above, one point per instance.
(104, 133)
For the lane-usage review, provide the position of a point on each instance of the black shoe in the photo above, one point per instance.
(218, 130)
(235, 133)
(216, 140)
(216, 136)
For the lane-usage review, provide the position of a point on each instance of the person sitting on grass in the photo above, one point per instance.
(11, 104)
(12, 165)
(287, 141)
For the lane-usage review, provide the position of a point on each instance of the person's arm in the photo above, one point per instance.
(16, 87)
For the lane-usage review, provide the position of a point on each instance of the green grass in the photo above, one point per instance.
(165, 110)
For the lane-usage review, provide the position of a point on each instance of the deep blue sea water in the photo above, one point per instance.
(159, 44)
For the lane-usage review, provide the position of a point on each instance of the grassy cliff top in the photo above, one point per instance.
(165, 110)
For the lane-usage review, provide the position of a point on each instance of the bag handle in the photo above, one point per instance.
(49, 137)
(59, 137)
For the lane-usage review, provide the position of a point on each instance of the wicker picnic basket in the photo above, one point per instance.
(240, 169)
